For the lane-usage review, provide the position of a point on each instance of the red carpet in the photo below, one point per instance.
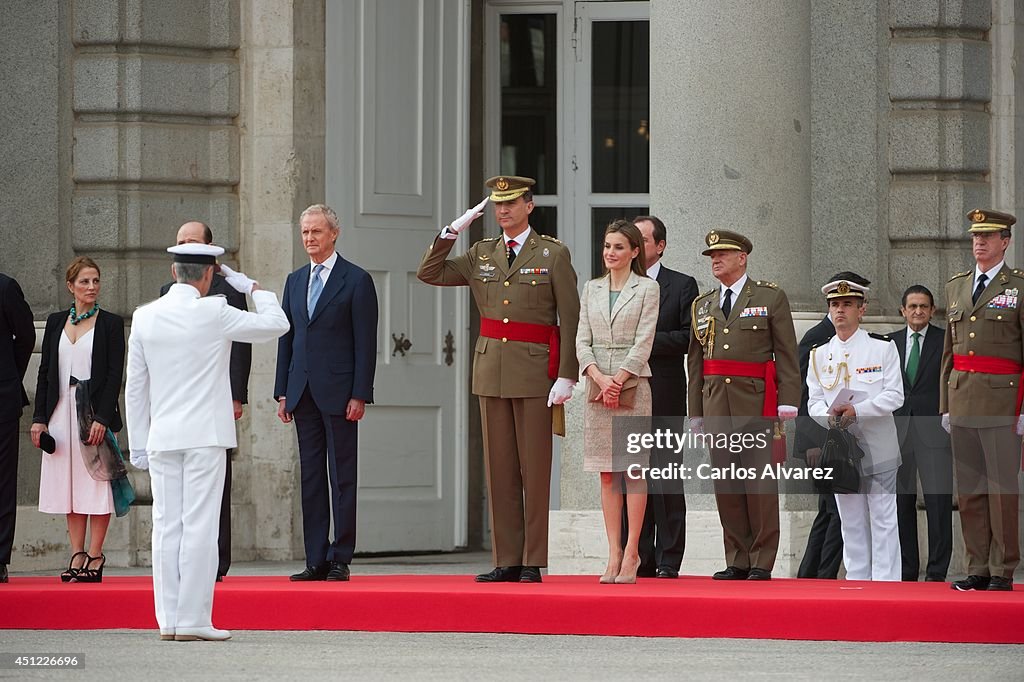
(697, 606)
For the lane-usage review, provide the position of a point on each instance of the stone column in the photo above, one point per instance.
(1007, 37)
(730, 127)
(282, 172)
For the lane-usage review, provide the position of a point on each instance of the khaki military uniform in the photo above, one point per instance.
(759, 328)
(511, 377)
(983, 411)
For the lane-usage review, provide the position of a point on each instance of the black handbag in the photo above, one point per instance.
(838, 469)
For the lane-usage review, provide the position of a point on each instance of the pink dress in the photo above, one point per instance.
(65, 485)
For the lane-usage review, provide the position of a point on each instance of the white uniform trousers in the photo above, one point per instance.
(871, 537)
(187, 491)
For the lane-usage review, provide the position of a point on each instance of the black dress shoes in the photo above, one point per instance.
(647, 572)
(1000, 584)
(3, 573)
(312, 573)
(502, 574)
(529, 574)
(339, 572)
(759, 574)
(971, 582)
(732, 573)
(666, 572)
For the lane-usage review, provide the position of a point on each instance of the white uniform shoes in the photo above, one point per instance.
(210, 634)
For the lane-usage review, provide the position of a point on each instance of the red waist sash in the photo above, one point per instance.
(526, 332)
(986, 364)
(756, 370)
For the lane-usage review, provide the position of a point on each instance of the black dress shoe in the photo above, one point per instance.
(666, 572)
(646, 572)
(502, 574)
(529, 574)
(759, 574)
(339, 572)
(311, 573)
(732, 573)
(3, 573)
(971, 582)
(998, 583)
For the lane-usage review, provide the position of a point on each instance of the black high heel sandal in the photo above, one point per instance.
(88, 574)
(72, 572)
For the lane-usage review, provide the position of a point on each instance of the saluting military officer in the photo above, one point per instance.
(980, 399)
(743, 376)
(524, 286)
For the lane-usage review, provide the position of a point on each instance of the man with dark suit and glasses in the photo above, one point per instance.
(195, 232)
(924, 443)
(17, 338)
(663, 537)
(325, 368)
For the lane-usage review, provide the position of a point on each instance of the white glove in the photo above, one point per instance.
(462, 222)
(697, 425)
(561, 391)
(945, 422)
(237, 280)
(787, 412)
(139, 459)
(1020, 425)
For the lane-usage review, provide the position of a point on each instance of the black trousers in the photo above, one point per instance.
(224, 538)
(8, 487)
(824, 553)
(935, 467)
(328, 465)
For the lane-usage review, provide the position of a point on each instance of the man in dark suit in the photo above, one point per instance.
(195, 232)
(824, 553)
(17, 337)
(924, 444)
(663, 536)
(325, 368)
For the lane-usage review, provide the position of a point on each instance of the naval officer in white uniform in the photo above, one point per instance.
(180, 424)
(869, 364)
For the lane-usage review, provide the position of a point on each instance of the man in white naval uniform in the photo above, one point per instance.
(869, 364)
(180, 424)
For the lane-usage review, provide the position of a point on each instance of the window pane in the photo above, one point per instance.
(600, 217)
(620, 123)
(528, 97)
(544, 219)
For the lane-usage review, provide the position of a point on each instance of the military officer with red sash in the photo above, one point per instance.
(980, 394)
(743, 377)
(524, 362)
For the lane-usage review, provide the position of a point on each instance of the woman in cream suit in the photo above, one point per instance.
(618, 317)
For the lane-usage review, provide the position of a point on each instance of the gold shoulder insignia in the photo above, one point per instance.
(550, 238)
(706, 293)
(770, 285)
(490, 239)
(958, 275)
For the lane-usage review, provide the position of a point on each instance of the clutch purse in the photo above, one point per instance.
(627, 396)
(46, 443)
(842, 455)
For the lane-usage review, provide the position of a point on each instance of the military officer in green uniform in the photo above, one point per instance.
(743, 377)
(524, 362)
(980, 399)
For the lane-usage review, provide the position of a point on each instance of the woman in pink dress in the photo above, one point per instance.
(88, 343)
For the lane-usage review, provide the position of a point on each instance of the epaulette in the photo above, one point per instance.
(550, 238)
(881, 337)
(770, 285)
(1019, 273)
(706, 293)
(958, 275)
(491, 239)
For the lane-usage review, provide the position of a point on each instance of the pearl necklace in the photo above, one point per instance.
(75, 318)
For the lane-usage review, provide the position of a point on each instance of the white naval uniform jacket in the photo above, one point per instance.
(178, 389)
(874, 367)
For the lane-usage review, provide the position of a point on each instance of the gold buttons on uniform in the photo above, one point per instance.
(505, 320)
(971, 335)
(974, 318)
(505, 301)
(754, 327)
(725, 347)
(999, 317)
(507, 283)
(504, 339)
(728, 380)
(970, 352)
(726, 330)
(533, 282)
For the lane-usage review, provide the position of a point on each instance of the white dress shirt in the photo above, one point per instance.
(520, 239)
(910, 342)
(653, 270)
(991, 275)
(325, 272)
(737, 288)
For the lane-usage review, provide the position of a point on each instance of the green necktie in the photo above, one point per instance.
(915, 357)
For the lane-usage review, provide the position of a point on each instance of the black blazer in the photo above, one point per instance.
(107, 369)
(808, 433)
(921, 400)
(241, 353)
(671, 340)
(17, 338)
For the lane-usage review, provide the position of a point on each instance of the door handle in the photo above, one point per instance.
(402, 344)
(449, 348)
